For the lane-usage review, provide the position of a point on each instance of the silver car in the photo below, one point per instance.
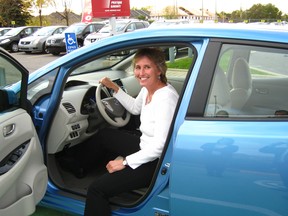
(122, 26)
(37, 41)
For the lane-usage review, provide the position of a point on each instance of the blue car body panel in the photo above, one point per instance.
(249, 184)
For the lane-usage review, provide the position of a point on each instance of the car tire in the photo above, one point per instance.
(44, 49)
(14, 47)
(28, 52)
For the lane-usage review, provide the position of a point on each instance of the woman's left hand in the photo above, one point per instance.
(114, 166)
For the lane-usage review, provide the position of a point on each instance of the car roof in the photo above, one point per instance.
(229, 31)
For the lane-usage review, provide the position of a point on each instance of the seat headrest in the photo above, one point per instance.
(241, 77)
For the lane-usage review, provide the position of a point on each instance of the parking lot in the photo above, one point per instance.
(33, 61)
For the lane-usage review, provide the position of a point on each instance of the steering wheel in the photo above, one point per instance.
(111, 109)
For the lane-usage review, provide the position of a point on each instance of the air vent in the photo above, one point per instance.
(69, 107)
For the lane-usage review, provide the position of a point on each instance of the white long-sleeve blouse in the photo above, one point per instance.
(155, 118)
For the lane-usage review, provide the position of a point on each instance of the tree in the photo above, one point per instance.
(40, 4)
(67, 10)
(15, 12)
(170, 12)
(264, 12)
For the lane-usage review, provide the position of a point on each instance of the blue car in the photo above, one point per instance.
(227, 149)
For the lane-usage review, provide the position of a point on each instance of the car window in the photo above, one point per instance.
(41, 86)
(118, 65)
(249, 81)
(59, 30)
(9, 76)
(28, 31)
(131, 27)
(139, 25)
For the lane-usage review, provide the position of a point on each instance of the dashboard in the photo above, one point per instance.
(78, 117)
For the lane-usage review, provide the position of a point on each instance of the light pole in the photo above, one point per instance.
(202, 19)
(215, 18)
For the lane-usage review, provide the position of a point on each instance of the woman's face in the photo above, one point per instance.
(146, 72)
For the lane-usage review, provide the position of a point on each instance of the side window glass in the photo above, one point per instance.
(41, 86)
(9, 76)
(130, 27)
(28, 31)
(90, 29)
(179, 59)
(139, 25)
(249, 81)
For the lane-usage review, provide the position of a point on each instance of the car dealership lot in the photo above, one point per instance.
(34, 61)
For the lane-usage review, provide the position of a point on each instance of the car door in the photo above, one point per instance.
(23, 175)
(231, 152)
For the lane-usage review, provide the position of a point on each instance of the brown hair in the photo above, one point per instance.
(155, 55)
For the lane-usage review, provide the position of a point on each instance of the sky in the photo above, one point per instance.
(212, 5)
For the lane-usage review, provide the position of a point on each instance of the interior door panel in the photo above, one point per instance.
(23, 175)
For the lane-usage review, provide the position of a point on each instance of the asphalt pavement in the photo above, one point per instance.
(34, 61)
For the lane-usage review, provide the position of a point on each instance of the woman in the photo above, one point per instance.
(156, 104)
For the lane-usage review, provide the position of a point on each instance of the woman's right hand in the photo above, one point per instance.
(109, 84)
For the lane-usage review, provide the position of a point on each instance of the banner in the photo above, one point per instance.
(87, 12)
(110, 8)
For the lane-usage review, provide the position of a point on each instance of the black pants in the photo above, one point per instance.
(109, 185)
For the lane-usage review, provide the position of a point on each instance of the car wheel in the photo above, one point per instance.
(28, 52)
(55, 53)
(14, 47)
(44, 49)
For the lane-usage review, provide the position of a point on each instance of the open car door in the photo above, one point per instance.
(23, 175)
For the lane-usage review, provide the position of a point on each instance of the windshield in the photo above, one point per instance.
(106, 29)
(44, 31)
(74, 28)
(13, 32)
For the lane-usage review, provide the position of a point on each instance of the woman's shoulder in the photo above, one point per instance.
(168, 91)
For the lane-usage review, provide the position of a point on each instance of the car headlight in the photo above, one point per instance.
(5, 41)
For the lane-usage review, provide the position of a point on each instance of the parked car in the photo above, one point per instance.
(122, 26)
(37, 41)
(4, 30)
(168, 22)
(10, 40)
(55, 44)
(227, 148)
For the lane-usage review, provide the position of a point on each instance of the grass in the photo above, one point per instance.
(182, 63)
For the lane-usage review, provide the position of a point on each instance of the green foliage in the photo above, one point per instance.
(266, 12)
(170, 12)
(16, 11)
(182, 63)
(141, 17)
(257, 12)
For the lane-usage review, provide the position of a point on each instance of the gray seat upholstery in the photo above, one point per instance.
(241, 84)
(219, 98)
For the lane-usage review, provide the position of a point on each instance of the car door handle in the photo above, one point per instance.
(8, 130)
